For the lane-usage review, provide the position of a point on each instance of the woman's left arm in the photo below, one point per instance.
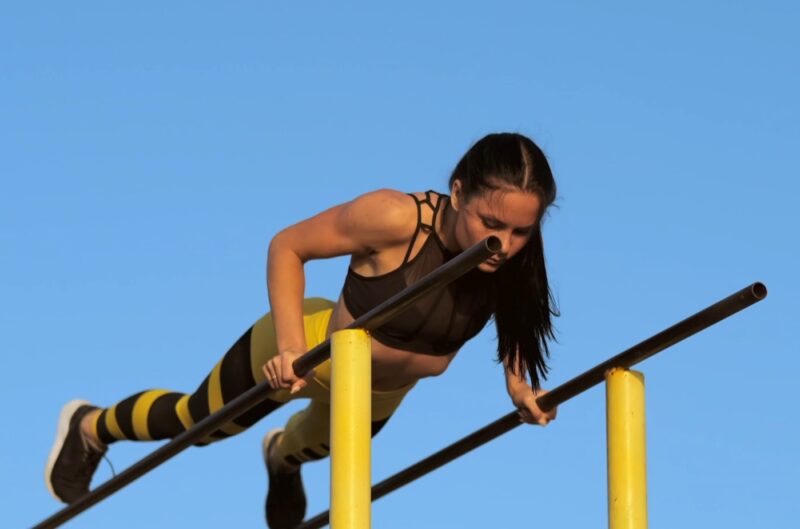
(524, 398)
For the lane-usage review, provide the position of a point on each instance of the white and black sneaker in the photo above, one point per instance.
(73, 459)
(286, 500)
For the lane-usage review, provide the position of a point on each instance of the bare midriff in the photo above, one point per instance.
(392, 368)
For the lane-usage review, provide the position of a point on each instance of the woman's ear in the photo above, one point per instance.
(455, 195)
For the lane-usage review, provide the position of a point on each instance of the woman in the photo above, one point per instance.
(502, 186)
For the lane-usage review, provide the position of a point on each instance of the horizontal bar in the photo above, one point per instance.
(448, 272)
(655, 344)
(642, 351)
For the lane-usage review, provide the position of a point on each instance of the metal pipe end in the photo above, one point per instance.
(759, 290)
(494, 244)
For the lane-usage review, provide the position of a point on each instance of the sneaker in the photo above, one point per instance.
(72, 460)
(286, 500)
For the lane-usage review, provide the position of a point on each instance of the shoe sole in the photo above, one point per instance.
(67, 412)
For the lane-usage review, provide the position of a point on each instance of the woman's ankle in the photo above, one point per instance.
(279, 464)
(88, 431)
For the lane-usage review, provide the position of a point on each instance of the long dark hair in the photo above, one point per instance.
(523, 301)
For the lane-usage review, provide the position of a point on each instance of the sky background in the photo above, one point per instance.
(149, 151)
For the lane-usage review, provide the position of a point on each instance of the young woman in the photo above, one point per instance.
(502, 187)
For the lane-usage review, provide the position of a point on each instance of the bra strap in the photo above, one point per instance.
(420, 224)
(435, 208)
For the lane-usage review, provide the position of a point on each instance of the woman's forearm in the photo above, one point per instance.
(286, 285)
(515, 381)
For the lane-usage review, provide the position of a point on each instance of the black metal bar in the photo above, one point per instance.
(456, 267)
(642, 351)
(656, 343)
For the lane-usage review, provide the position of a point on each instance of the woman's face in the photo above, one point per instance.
(508, 213)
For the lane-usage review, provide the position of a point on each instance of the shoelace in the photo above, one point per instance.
(113, 472)
(92, 459)
(92, 456)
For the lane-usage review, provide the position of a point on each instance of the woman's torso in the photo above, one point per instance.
(394, 367)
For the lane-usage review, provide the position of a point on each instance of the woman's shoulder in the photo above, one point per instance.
(386, 214)
(388, 204)
(395, 207)
(390, 215)
(389, 197)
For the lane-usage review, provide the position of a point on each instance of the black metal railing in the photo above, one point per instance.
(639, 352)
(448, 272)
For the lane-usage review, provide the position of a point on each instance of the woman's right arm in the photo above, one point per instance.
(371, 223)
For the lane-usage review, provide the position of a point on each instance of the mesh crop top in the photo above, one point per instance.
(440, 322)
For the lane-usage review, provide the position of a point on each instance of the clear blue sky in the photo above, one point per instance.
(148, 152)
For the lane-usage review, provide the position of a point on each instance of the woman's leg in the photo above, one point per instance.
(161, 414)
(306, 437)
(84, 431)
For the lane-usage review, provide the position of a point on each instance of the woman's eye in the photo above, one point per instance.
(490, 225)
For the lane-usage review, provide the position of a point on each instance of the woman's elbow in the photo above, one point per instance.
(281, 246)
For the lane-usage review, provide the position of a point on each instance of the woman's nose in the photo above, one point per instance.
(505, 240)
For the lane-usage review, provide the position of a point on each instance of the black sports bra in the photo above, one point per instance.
(442, 321)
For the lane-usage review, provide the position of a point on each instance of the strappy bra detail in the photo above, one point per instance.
(421, 225)
(439, 323)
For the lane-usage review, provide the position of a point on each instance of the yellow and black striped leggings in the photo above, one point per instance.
(162, 414)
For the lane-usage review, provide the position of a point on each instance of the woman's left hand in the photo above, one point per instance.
(529, 412)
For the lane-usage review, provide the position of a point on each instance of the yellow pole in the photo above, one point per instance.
(627, 466)
(351, 408)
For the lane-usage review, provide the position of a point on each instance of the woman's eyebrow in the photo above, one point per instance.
(492, 219)
(501, 224)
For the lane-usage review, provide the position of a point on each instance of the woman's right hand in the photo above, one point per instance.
(281, 375)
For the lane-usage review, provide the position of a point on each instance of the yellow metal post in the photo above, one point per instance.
(627, 465)
(351, 408)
